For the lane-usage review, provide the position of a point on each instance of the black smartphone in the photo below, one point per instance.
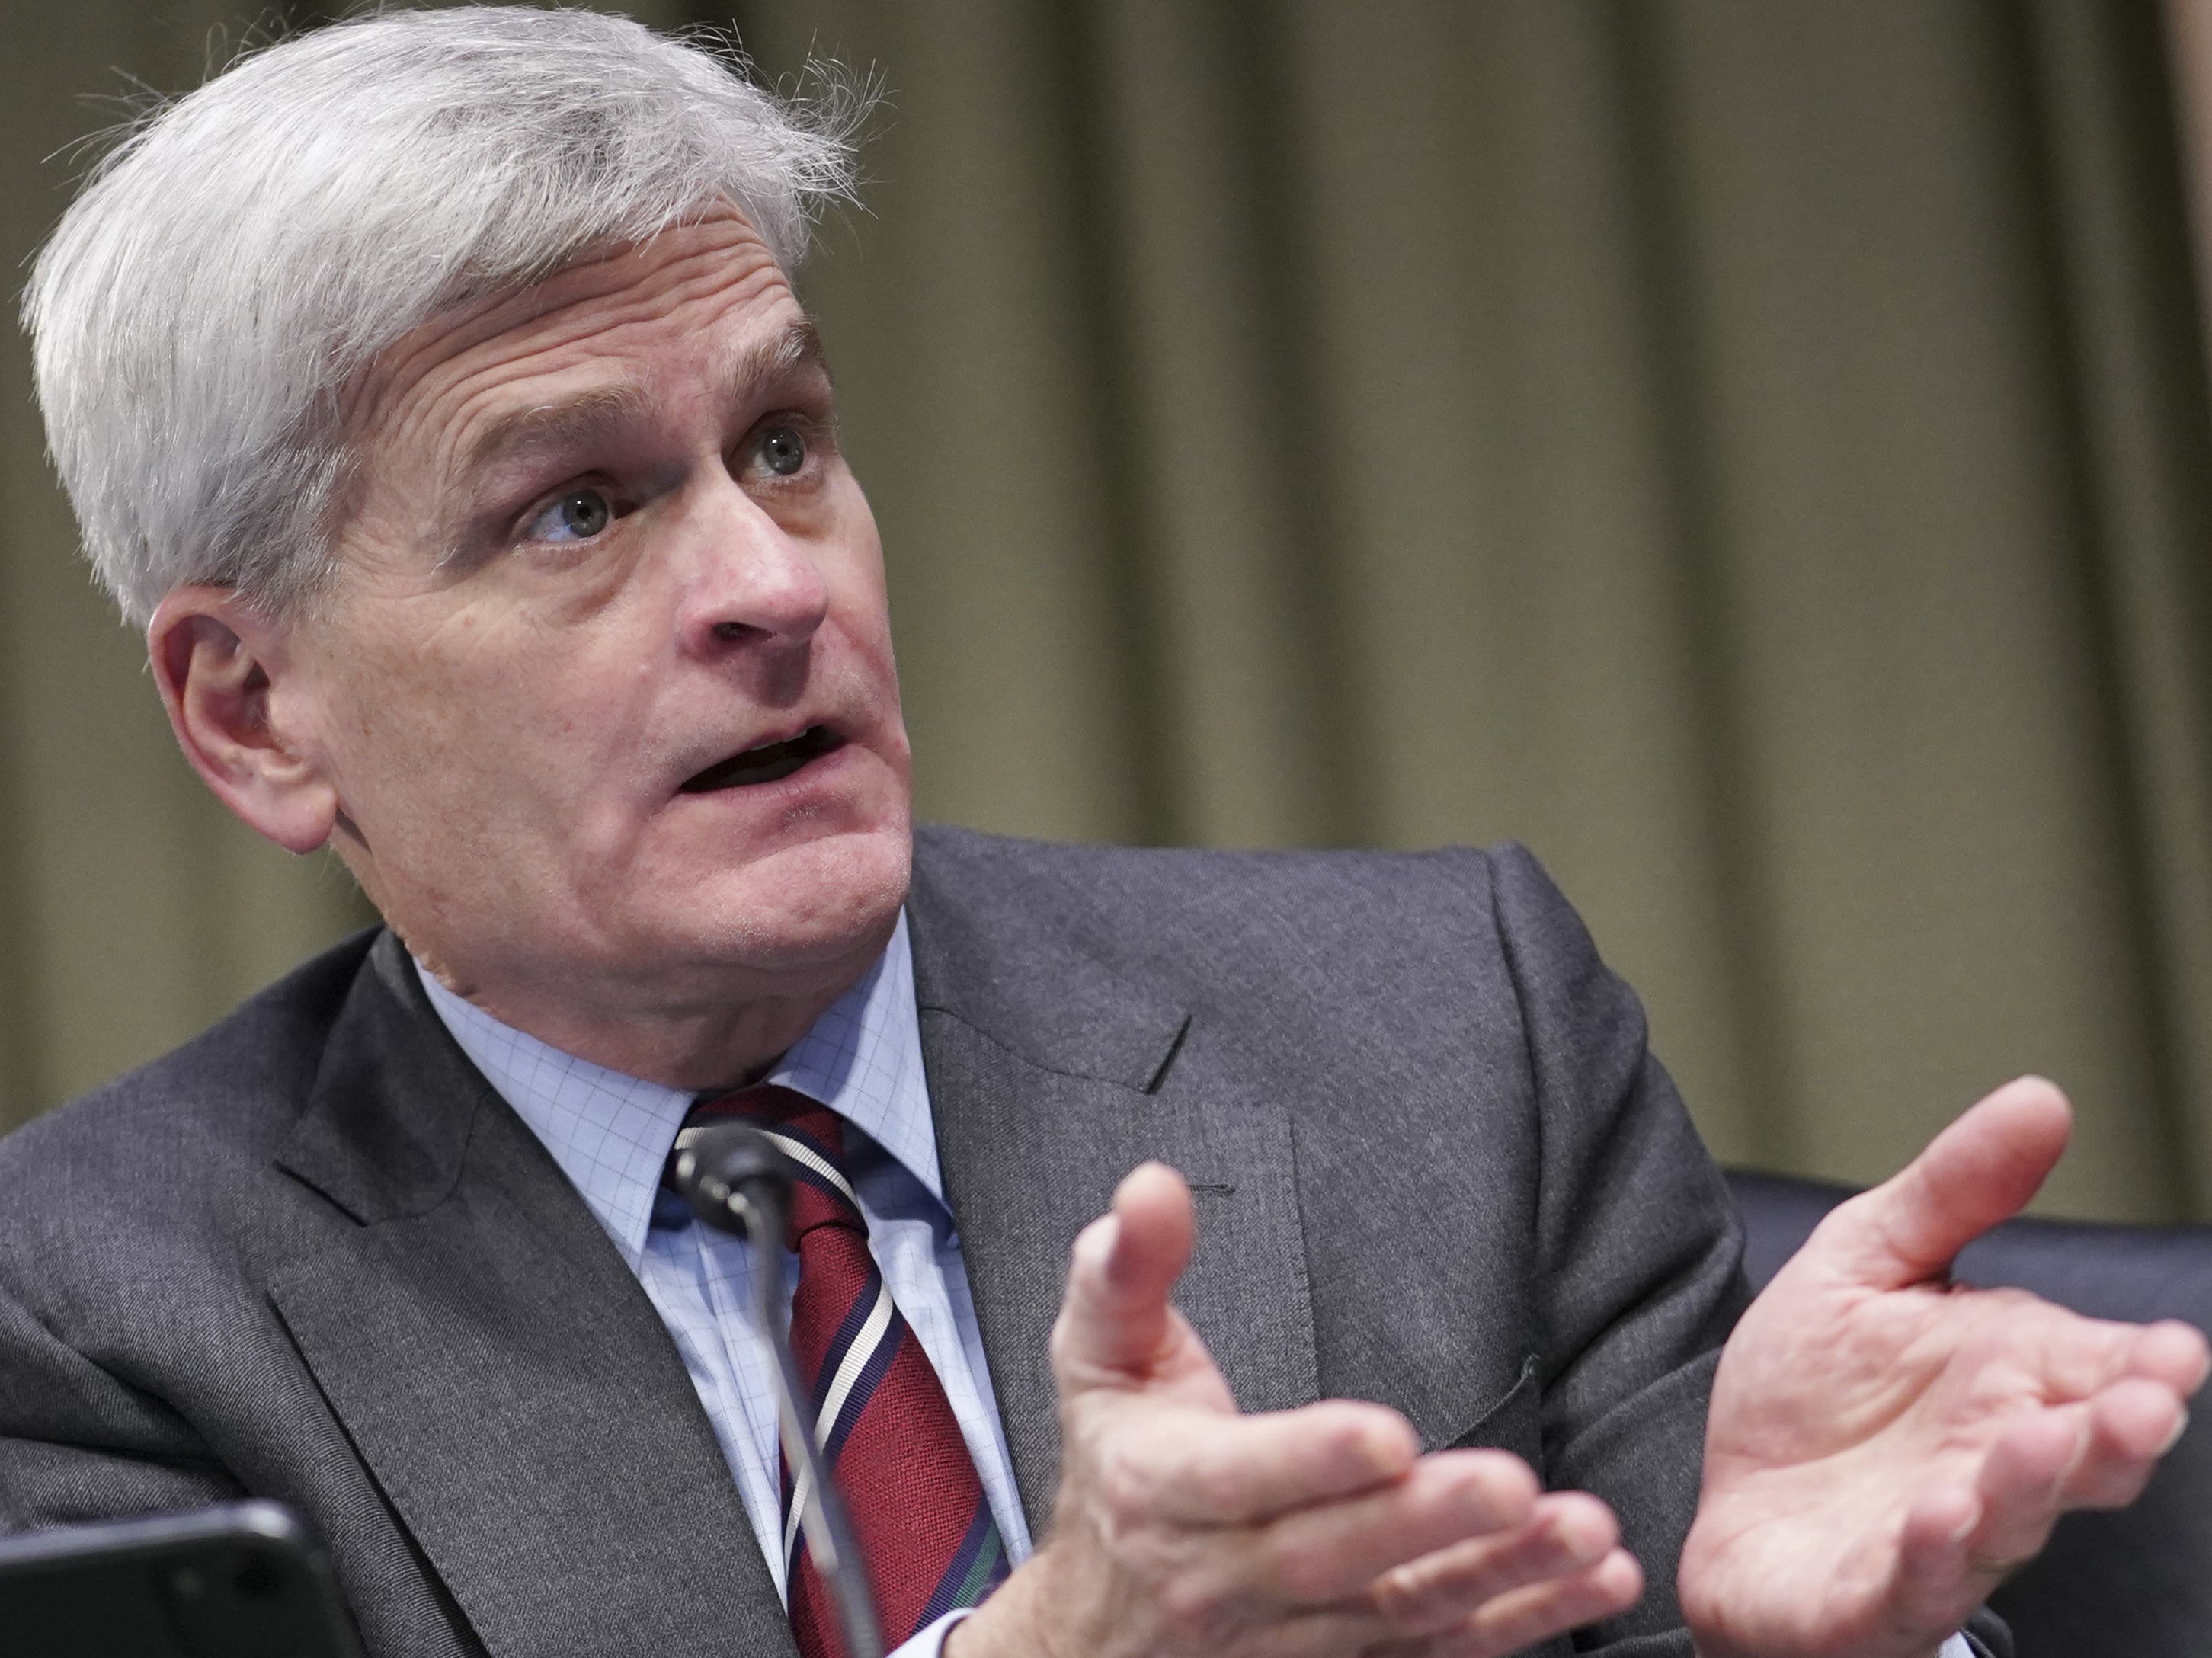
(244, 1581)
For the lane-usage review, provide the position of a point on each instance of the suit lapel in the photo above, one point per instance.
(1050, 1077)
(498, 1368)
(511, 1388)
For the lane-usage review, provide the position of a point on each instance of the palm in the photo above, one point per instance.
(1855, 1406)
(1881, 1446)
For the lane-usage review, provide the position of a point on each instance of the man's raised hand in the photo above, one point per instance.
(1183, 1528)
(1884, 1446)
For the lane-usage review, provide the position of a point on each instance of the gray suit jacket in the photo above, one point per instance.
(312, 1256)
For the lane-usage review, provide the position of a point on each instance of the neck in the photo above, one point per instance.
(722, 1035)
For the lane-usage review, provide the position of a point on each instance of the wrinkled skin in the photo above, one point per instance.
(493, 714)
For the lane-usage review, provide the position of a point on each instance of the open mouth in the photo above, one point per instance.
(768, 763)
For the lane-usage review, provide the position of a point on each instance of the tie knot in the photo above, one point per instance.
(811, 1136)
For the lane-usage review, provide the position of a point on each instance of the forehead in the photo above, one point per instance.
(701, 303)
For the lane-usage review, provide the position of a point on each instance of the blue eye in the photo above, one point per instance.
(578, 515)
(782, 450)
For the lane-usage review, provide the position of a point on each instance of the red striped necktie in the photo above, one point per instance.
(887, 1432)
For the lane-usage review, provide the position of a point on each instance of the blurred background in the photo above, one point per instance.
(1755, 452)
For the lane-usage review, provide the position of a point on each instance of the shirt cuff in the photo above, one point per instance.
(928, 1641)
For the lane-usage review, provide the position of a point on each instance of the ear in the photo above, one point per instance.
(230, 687)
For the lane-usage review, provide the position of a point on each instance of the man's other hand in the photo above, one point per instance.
(1884, 1445)
(1184, 1527)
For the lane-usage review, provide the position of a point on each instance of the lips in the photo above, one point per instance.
(768, 763)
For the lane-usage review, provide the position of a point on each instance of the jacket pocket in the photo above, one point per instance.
(1511, 1422)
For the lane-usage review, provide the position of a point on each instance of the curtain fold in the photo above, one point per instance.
(1753, 452)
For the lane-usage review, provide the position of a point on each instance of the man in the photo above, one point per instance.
(433, 390)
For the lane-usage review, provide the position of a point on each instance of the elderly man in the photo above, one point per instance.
(433, 391)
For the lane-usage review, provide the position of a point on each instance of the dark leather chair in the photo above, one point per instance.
(2134, 1583)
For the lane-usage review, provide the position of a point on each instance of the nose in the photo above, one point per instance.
(748, 584)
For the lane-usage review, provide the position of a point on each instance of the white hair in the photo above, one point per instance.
(249, 248)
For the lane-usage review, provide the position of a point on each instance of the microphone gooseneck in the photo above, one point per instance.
(736, 1180)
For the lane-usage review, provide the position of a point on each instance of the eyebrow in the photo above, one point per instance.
(552, 425)
(788, 352)
(589, 414)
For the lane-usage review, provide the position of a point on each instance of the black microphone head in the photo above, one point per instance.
(730, 1173)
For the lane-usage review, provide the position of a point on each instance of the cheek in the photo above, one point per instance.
(871, 671)
(473, 734)
(862, 600)
(868, 626)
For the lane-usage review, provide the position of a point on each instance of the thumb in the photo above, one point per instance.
(1980, 1171)
(1115, 1318)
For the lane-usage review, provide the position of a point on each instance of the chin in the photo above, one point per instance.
(819, 903)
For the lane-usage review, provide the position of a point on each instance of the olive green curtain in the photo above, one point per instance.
(1753, 450)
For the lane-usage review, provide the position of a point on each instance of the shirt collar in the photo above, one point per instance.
(612, 1133)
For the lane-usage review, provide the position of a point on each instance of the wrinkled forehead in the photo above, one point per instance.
(706, 301)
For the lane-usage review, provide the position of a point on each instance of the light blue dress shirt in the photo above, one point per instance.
(611, 1135)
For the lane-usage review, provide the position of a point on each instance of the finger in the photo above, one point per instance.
(1937, 1582)
(1980, 1171)
(1114, 1321)
(2020, 1486)
(1527, 1615)
(2071, 1357)
(1329, 1552)
(1194, 1467)
(1959, 1544)
(2171, 1352)
(2131, 1424)
(1569, 1533)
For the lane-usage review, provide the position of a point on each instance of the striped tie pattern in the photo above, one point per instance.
(888, 1434)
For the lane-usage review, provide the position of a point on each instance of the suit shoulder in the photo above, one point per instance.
(1503, 885)
(1059, 874)
(1325, 920)
(225, 1095)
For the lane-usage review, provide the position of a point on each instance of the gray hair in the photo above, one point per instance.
(248, 249)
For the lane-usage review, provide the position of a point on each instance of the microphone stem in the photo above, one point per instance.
(822, 1515)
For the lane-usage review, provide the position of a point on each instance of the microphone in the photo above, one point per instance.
(736, 1181)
